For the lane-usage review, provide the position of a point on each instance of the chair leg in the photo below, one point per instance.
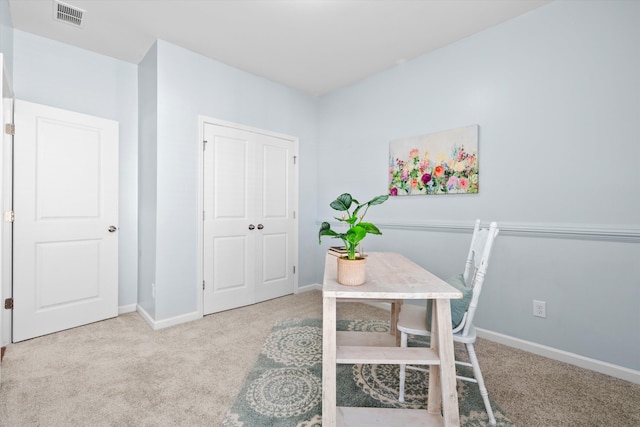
(478, 375)
(403, 343)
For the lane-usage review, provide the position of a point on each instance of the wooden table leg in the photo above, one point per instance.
(450, 409)
(396, 305)
(329, 362)
(434, 402)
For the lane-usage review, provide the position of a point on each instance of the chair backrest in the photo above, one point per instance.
(476, 268)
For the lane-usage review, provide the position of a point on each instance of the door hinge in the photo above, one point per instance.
(203, 285)
(295, 158)
(294, 269)
(9, 216)
(204, 145)
(8, 304)
(10, 129)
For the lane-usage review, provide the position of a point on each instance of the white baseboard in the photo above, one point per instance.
(563, 356)
(311, 287)
(542, 350)
(127, 308)
(606, 368)
(165, 323)
(318, 287)
(145, 316)
(379, 304)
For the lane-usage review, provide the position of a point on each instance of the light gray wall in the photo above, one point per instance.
(6, 37)
(190, 85)
(147, 177)
(55, 74)
(557, 97)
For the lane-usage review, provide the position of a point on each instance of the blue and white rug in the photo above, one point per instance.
(284, 388)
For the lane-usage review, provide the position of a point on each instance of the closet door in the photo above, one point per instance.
(248, 219)
(275, 237)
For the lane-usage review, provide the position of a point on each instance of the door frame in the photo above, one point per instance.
(202, 120)
(6, 203)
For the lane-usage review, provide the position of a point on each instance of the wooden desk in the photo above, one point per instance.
(390, 276)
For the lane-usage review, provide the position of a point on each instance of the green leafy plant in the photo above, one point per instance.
(358, 229)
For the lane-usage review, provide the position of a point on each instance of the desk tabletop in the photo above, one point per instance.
(390, 275)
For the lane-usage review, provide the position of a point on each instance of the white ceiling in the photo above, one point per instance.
(315, 46)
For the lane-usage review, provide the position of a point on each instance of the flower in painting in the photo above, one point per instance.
(452, 182)
(450, 163)
(426, 178)
(414, 153)
(471, 160)
(462, 154)
(424, 164)
(463, 183)
(458, 167)
(441, 158)
(438, 171)
(393, 191)
(405, 173)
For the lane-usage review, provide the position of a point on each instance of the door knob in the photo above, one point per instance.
(251, 226)
(260, 226)
(112, 229)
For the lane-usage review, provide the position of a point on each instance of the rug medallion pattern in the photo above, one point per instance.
(284, 388)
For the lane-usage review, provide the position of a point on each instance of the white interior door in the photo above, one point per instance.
(66, 212)
(229, 205)
(249, 225)
(275, 246)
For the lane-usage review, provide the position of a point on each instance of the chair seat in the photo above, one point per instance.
(412, 320)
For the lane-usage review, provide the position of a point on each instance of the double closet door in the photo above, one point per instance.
(249, 240)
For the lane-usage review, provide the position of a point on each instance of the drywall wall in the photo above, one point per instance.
(147, 178)
(556, 95)
(6, 37)
(190, 85)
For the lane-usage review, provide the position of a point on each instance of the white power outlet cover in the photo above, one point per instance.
(539, 308)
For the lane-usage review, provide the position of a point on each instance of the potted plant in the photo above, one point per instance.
(351, 267)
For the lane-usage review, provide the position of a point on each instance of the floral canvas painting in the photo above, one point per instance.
(438, 163)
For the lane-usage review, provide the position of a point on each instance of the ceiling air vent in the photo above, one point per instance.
(64, 12)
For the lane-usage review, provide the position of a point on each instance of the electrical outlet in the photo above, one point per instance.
(539, 308)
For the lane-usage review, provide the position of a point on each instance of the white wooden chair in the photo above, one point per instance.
(413, 318)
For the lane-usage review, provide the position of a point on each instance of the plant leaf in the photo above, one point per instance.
(342, 203)
(355, 234)
(378, 200)
(370, 228)
(325, 230)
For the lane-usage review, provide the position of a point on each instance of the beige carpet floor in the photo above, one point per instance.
(121, 373)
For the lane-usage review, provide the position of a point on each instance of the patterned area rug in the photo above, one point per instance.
(284, 388)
